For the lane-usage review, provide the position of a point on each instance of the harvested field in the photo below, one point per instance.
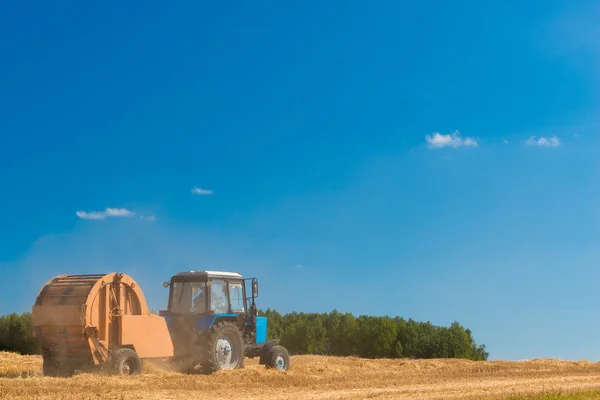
(312, 377)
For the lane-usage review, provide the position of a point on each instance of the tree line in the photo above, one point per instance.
(344, 334)
(16, 334)
(332, 333)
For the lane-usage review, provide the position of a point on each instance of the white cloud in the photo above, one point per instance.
(437, 140)
(470, 142)
(109, 212)
(149, 218)
(196, 190)
(505, 141)
(543, 141)
(118, 212)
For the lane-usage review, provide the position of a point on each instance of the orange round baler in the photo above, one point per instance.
(97, 320)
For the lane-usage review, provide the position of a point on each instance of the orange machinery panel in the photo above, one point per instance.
(148, 334)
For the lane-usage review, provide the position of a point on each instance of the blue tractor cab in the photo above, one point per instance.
(214, 323)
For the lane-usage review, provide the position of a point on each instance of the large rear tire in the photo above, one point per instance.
(126, 362)
(224, 348)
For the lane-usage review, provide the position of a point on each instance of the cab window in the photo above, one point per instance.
(199, 298)
(188, 297)
(218, 297)
(237, 297)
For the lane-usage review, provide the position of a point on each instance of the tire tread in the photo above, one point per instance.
(208, 363)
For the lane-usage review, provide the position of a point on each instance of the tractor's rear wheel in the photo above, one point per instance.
(126, 362)
(279, 358)
(224, 348)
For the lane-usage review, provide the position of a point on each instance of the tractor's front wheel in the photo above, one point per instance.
(279, 358)
(224, 348)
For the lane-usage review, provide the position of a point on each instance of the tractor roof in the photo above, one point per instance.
(205, 275)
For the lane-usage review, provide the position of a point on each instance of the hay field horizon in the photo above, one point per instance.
(311, 377)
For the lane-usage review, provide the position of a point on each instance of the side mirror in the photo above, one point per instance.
(165, 284)
(254, 287)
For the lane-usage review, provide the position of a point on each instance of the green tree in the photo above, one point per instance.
(342, 334)
(304, 333)
(378, 337)
(16, 334)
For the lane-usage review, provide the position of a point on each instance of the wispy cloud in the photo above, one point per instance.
(543, 141)
(109, 212)
(149, 218)
(438, 140)
(505, 141)
(196, 190)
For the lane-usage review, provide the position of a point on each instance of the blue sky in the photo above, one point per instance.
(437, 162)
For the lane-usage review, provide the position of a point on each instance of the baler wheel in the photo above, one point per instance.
(126, 362)
(279, 358)
(224, 348)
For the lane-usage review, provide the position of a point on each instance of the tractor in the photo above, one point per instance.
(214, 323)
(101, 322)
